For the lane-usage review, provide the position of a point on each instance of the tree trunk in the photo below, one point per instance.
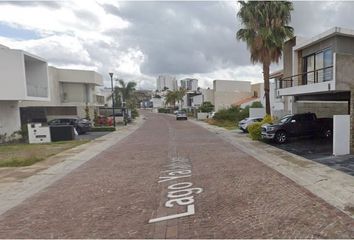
(266, 87)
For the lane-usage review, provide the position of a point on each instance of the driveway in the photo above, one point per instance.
(174, 179)
(319, 150)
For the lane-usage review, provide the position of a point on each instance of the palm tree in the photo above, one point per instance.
(265, 30)
(171, 98)
(179, 96)
(123, 93)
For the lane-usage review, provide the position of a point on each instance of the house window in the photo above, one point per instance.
(318, 67)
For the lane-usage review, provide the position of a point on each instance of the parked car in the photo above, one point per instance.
(305, 124)
(103, 120)
(181, 115)
(81, 125)
(243, 124)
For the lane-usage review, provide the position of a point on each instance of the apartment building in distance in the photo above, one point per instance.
(190, 84)
(71, 91)
(24, 77)
(166, 82)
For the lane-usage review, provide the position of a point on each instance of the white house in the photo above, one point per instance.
(72, 91)
(24, 77)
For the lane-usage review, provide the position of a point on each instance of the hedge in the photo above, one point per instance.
(102, 129)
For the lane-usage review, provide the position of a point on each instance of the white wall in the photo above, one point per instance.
(341, 135)
(73, 92)
(12, 77)
(232, 86)
(257, 112)
(23, 76)
(79, 76)
(223, 100)
(279, 106)
(197, 101)
(157, 102)
(208, 95)
(9, 117)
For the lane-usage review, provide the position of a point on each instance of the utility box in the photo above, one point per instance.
(62, 133)
(37, 133)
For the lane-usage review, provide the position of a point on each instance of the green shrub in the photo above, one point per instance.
(135, 113)
(256, 104)
(163, 110)
(267, 119)
(102, 129)
(206, 107)
(255, 130)
(234, 114)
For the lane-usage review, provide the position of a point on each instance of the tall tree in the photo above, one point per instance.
(123, 92)
(179, 96)
(265, 30)
(171, 98)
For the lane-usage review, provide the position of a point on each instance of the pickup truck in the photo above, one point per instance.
(297, 125)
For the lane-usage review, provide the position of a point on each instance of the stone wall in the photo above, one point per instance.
(322, 109)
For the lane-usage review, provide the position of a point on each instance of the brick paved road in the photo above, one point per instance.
(117, 193)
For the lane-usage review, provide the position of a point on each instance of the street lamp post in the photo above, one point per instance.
(114, 116)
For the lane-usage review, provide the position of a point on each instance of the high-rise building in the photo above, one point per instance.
(166, 82)
(190, 84)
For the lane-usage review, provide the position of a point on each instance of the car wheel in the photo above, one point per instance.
(327, 133)
(79, 131)
(281, 137)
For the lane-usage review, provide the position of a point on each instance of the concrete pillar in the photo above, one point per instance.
(352, 121)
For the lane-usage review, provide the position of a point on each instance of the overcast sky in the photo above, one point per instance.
(140, 40)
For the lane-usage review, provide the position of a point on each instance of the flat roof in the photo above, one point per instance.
(325, 35)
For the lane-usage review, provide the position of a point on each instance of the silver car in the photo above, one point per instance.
(243, 124)
(180, 115)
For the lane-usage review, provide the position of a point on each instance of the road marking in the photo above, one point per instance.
(178, 193)
(190, 211)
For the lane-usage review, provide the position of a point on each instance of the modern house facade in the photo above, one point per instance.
(72, 93)
(24, 77)
(318, 74)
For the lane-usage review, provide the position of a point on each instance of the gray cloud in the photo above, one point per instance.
(182, 37)
(312, 18)
(48, 4)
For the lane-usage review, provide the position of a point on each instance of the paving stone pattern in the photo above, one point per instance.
(115, 194)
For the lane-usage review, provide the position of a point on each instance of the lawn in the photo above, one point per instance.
(19, 155)
(229, 125)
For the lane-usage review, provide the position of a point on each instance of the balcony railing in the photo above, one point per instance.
(311, 77)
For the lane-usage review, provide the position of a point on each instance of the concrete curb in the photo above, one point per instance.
(12, 194)
(333, 186)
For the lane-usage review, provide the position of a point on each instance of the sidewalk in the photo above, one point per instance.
(333, 186)
(17, 184)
